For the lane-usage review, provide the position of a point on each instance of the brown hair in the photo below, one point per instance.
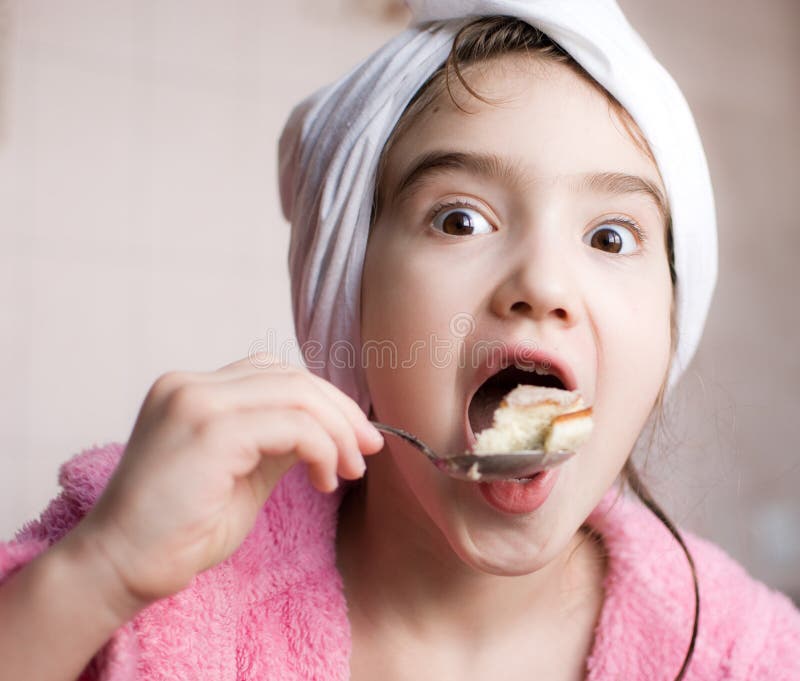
(491, 37)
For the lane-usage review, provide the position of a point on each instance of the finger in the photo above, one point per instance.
(295, 389)
(198, 402)
(370, 440)
(268, 443)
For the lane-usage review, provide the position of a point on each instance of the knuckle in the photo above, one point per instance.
(166, 383)
(346, 442)
(296, 378)
(293, 395)
(315, 439)
(263, 362)
(303, 422)
(326, 453)
(288, 382)
(218, 432)
(190, 402)
(216, 437)
(351, 403)
(330, 451)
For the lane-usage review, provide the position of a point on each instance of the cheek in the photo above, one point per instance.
(408, 351)
(633, 359)
(398, 292)
(638, 343)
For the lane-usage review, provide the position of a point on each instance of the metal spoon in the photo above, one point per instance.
(475, 467)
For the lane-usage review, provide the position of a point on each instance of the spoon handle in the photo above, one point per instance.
(408, 437)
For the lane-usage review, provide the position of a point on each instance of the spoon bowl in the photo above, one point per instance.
(485, 467)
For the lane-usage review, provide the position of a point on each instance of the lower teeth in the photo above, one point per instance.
(528, 479)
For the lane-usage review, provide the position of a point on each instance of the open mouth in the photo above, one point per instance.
(488, 396)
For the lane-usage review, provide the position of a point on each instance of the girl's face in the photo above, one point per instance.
(513, 224)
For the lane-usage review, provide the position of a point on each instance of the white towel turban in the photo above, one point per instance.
(330, 147)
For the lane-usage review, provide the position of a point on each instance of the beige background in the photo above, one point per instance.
(141, 230)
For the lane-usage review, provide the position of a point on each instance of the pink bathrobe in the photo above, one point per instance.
(275, 609)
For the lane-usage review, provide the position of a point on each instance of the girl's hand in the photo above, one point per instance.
(205, 453)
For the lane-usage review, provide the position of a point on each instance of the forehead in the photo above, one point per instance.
(541, 118)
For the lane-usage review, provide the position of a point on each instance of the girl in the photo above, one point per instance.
(521, 188)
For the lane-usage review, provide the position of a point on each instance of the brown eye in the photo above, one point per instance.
(607, 240)
(612, 238)
(461, 222)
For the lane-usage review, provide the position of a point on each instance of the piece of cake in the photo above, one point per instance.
(535, 417)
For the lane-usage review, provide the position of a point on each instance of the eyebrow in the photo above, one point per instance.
(492, 166)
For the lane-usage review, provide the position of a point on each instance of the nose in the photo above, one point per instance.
(538, 284)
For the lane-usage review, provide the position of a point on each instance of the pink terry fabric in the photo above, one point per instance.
(276, 610)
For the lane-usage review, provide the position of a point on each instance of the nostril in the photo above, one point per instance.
(520, 306)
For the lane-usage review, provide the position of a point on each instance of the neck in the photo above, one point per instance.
(400, 572)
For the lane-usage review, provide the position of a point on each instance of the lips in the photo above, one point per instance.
(501, 372)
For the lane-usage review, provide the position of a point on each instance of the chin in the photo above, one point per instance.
(502, 548)
(511, 560)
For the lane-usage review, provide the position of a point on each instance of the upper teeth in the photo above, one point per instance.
(535, 369)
